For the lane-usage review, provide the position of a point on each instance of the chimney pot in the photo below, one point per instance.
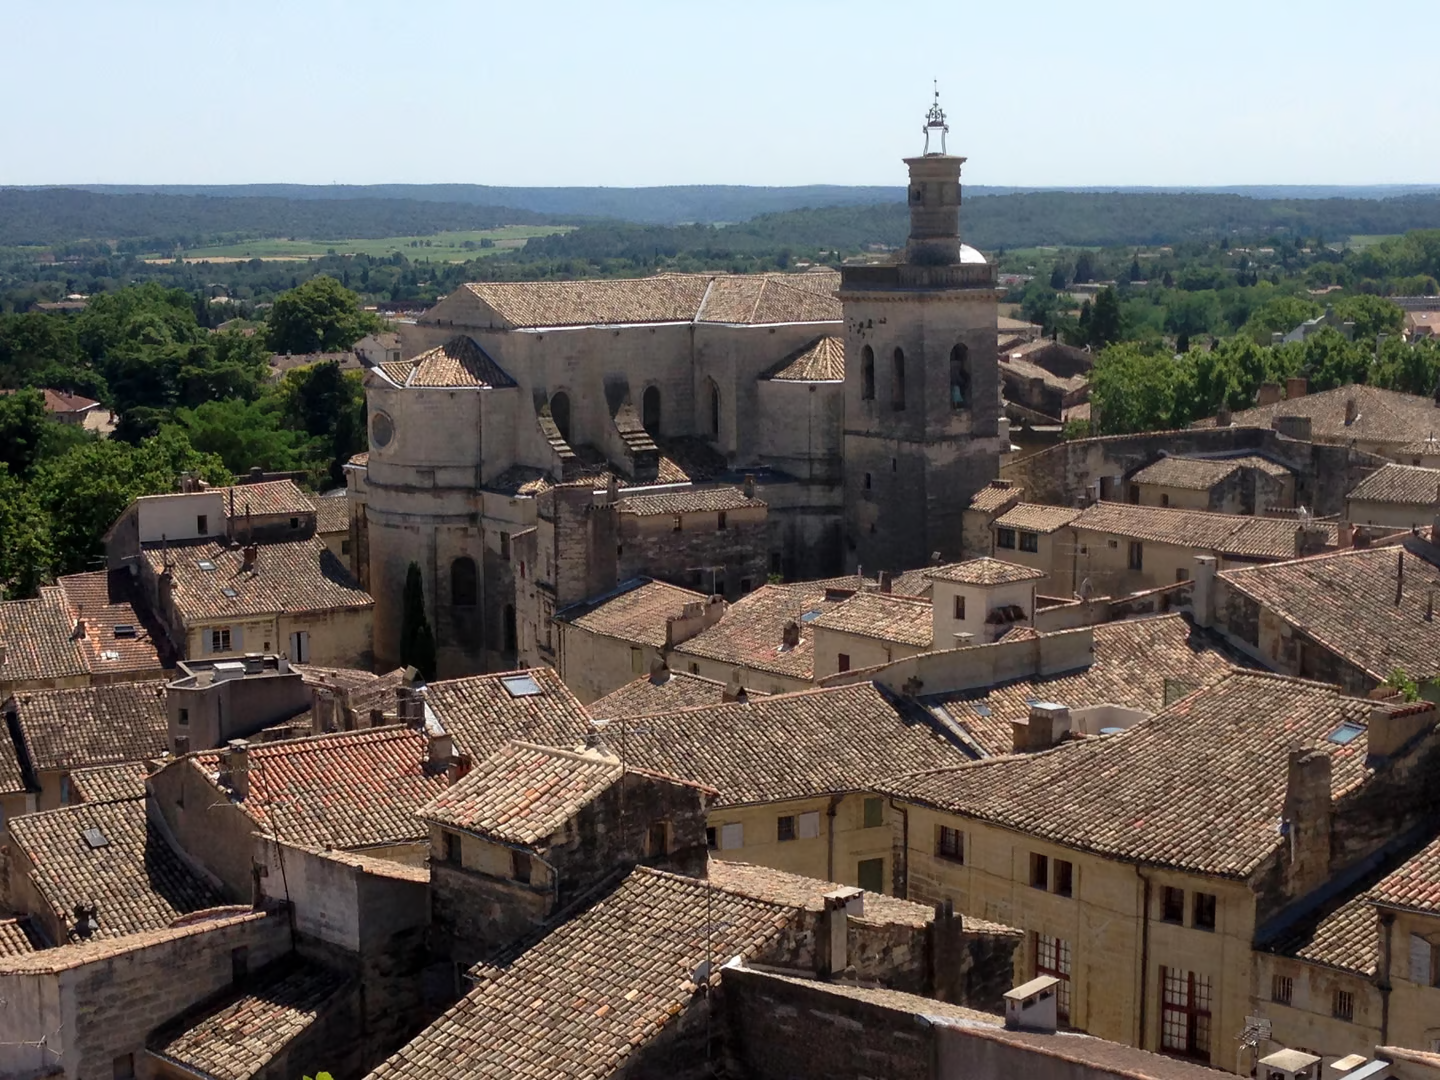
(749, 487)
(251, 554)
(441, 748)
(1296, 386)
(1268, 394)
(235, 767)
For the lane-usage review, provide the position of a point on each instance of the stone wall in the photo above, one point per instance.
(700, 555)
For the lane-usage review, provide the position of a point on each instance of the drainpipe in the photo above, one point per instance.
(1387, 922)
(830, 837)
(1144, 955)
(900, 871)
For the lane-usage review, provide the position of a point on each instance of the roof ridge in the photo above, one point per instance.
(313, 742)
(763, 700)
(565, 752)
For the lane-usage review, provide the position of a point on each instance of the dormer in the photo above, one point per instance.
(977, 601)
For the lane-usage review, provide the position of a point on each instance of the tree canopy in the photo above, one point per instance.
(319, 316)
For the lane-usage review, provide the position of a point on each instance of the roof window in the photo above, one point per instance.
(227, 591)
(811, 616)
(521, 685)
(1346, 733)
(109, 654)
(205, 564)
(982, 710)
(124, 630)
(95, 838)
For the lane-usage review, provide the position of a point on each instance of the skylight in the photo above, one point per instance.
(205, 564)
(95, 838)
(227, 591)
(982, 709)
(124, 630)
(811, 616)
(1346, 733)
(521, 685)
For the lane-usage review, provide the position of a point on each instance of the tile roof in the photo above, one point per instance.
(291, 576)
(19, 937)
(823, 360)
(1225, 534)
(78, 954)
(1133, 664)
(349, 789)
(524, 793)
(481, 714)
(884, 616)
(268, 498)
(658, 693)
(1341, 935)
(358, 461)
(460, 363)
(1163, 792)
(751, 632)
(984, 571)
(1415, 884)
(995, 496)
(1202, 474)
(911, 583)
(93, 725)
(594, 989)
(36, 635)
(135, 877)
(109, 783)
(107, 599)
(1382, 416)
(1407, 484)
(1346, 602)
(332, 513)
(237, 1037)
(57, 401)
(808, 894)
(1014, 363)
(695, 500)
(636, 611)
(790, 746)
(1034, 517)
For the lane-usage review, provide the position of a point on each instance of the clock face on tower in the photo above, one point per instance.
(382, 430)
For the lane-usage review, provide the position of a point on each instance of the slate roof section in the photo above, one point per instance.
(984, 571)
(349, 789)
(1382, 416)
(1415, 884)
(594, 989)
(290, 576)
(459, 364)
(1405, 484)
(20, 936)
(524, 793)
(883, 616)
(823, 360)
(135, 877)
(1133, 663)
(481, 714)
(93, 725)
(1163, 792)
(636, 611)
(1346, 602)
(1225, 534)
(663, 692)
(235, 1038)
(790, 746)
(1037, 518)
(694, 501)
(109, 783)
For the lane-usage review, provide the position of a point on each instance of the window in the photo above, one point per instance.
(1064, 877)
(897, 382)
(746, 585)
(344, 547)
(1172, 904)
(870, 875)
(123, 1067)
(1282, 989)
(1164, 500)
(785, 828)
(560, 413)
(1342, 1007)
(867, 481)
(202, 524)
(1029, 541)
(874, 813)
(721, 522)
(710, 839)
(1182, 574)
(1039, 871)
(809, 823)
(464, 582)
(1137, 555)
(949, 843)
(867, 373)
(65, 792)
(294, 523)
(960, 608)
(1422, 962)
(657, 843)
(239, 962)
(452, 848)
(299, 646)
(1184, 1013)
(732, 836)
(520, 866)
(1052, 957)
(1005, 538)
(184, 718)
(1134, 493)
(637, 661)
(1203, 911)
(959, 377)
(694, 669)
(182, 747)
(677, 523)
(714, 409)
(650, 410)
(220, 639)
(844, 661)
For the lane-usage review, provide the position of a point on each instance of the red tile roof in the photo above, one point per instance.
(823, 360)
(984, 571)
(665, 692)
(460, 363)
(1415, 885)
(636, 612)
(482, 714)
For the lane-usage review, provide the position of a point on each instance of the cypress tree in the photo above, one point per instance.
(417, 640)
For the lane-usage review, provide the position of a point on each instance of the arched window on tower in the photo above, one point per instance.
(712, 393)
(959, 377)
(867, 373)
(897, 381)
(464, 583)
(560, 413)
(650, 409)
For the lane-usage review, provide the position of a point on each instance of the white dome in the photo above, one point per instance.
(970, 255)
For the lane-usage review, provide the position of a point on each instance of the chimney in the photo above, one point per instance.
(963, 639)
(1047, 724)
(1202, 593)
(1032, 1006)
(235, 767)
(1346, 535)
(1295, 386)
(251, 553)
(749, 487)
(1305, 818)
(1310, 539)
(460, 766)
(78, 634)
(1352, 410)
(834, 934)
(790, 635)
(734, 691)
(409, 707)
(885, 584)
(612, 489)
(440, 749)
(1222, 416)
(1268, 394)
(1392, 726)
(377, 717)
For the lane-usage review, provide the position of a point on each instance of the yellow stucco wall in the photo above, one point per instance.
(815, 857)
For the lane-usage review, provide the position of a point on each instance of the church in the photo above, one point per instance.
(531, 425)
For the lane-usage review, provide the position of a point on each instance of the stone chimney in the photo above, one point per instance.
(377, 718)
(1392, 726)
(790, 635)
(1268, 394)
(251, 555)
(235, 767)
(1346, 535)
(409, 706)
(1352, 410)
(734, 691)
(1306, 819)
(79, 632)
(1047, 724)
(749, 487)
(1202, 593)
(833, 936)
(1295, 386)
(1223, 417)
(695, 616)
(885, 583)
(440, 749)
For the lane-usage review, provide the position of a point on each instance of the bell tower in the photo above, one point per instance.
(924, 426)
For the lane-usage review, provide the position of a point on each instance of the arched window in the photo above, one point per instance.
(464, 583)
(650, 409)
(959, 377)
(560, 413)
(714, 403)
(897, 381)
(509, 628)
(867, 373)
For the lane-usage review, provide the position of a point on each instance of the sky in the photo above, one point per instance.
(568, 92)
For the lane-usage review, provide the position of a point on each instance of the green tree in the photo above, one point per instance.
(1411, 369)
(1331, 360)
(26, 554)
(1136, 274)
(417, 640)
(23, 423)
(329, 405)
(1132, 390)
(244, 434)
(1371, 316)
(1105, 322)
(1084, 268)
(1057, 278)
(320, 315)
(1280, 314)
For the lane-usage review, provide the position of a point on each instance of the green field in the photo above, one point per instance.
(1362, 241)
(441, 247)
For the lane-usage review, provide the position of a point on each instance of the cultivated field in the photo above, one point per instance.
(441, 247)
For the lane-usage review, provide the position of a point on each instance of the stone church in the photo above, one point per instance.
(531, 422)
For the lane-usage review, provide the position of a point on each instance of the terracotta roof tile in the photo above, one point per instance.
(663, 692)
(93, 725)
(1407, 484)
(1194, 474)
(332, 513)
(19, 937)
(692, 501)
(792, 890)
(996, 496)
(636, 611)
(268, 498)
(134, 876)
(109, 783)
(459, 363)
(1415, 884)
(106, 600)
(482, 714)
(1341, 935)
(984, 571)
(237, 1037)
(1382, 416)
(1163, 791)
(524, 793)
(1225, 534)
(358, 461)
(1033, 517)
(823, 360)
(887, 617)
(1014, 364)
(593, 990)
(37, 639)
(81, 953)
(291, 576)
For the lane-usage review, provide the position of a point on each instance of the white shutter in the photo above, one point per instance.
(809, 825)
(237, 639)
(1419, 960)
(732, 836)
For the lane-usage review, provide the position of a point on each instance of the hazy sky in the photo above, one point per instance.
(555, 92)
